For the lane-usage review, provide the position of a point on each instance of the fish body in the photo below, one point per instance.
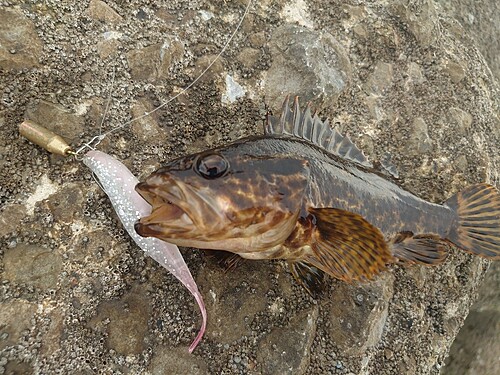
(304, 193)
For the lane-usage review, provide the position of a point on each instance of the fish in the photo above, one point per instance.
(118, 183)
(304, 193)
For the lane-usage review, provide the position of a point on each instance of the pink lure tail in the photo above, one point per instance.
(119, 183)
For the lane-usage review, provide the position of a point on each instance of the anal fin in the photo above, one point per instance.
(347, 246)
(310, 277)
(426, 249)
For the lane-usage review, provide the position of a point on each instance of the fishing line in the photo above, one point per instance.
(93, 142)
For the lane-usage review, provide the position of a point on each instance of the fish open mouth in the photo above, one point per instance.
(165, 212)
(165, 220)
(167, 216)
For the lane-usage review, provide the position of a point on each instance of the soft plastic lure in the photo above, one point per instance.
(119, 183)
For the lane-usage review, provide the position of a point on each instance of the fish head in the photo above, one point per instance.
(224, 201)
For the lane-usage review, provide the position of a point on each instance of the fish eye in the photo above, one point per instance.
(211, 166)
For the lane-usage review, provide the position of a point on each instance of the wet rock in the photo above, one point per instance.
(56, 118)
(358, 314)
(125, 321)
(286, 350)
(455, 70)
(419, 142)
(479, 20)
(176, 361)
(101, 11)
(11, 217)
(392, 67)
(308, 63)
(153, 62)
(421, 17)
(380, 80)
(146, 128)
(15, 318)
(66, 204)
(109, 44)
(233, 300)
(248, 57)
(20, 46)
(460, 120)
(33, 266)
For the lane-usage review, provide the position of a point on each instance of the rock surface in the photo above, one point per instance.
(78, 297)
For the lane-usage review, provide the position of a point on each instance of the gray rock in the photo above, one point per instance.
(56, 118)
(420, 142)
(478, 20)
(176, 361)
(421, 18)
(380, 80)
(362, 328)
(125, 321)
(153, 62)
(248, 57)
(16, 317)
(231, 299)
(32, 265)
(20, 46)
(58, 203)
(101, 11)
(286, 350)
(10, 218)
(306, 62)
(460, 120)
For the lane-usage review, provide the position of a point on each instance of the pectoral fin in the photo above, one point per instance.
(346, 246)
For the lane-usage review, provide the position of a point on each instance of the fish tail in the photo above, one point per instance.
(477, 226)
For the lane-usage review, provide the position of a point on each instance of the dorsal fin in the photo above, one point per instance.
(308, 126)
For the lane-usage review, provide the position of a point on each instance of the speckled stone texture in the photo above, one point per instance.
(403, 78)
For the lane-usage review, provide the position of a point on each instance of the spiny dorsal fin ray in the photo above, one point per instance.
(303, 124)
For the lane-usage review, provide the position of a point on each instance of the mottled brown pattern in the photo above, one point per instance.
(238, 211)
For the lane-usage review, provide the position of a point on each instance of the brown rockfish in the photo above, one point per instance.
(305, 193)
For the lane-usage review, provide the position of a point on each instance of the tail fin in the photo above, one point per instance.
(477, 228)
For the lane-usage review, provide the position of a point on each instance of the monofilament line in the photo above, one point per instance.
(98, 138)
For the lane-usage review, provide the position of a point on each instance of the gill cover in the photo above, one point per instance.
(225, 201)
